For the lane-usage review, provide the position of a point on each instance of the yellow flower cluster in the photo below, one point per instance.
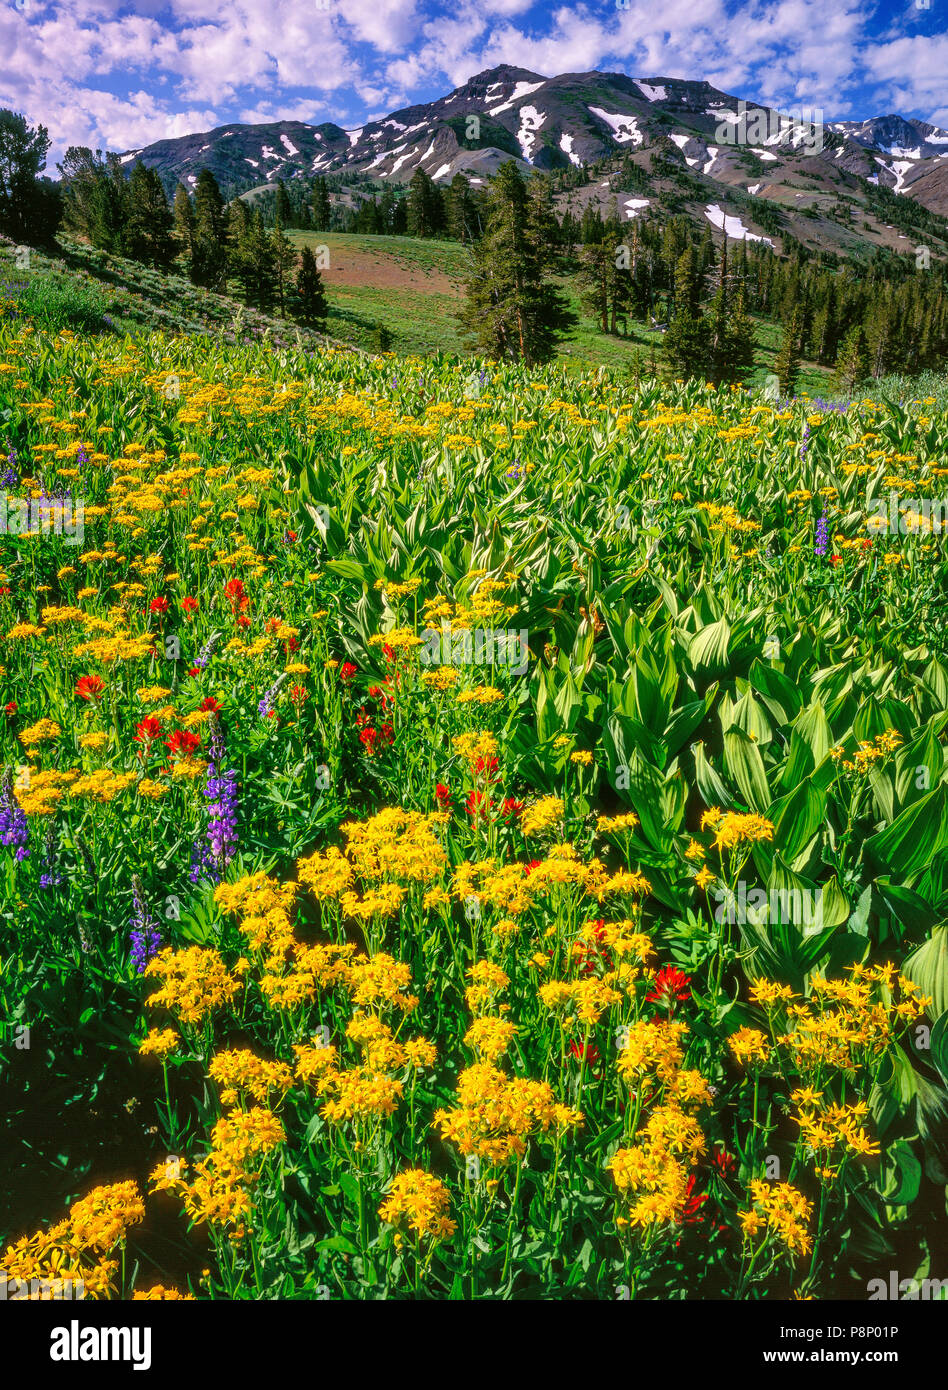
(732, 828)
(783, 1211)
(497, 1115)
(220, 1192)
(240, 1073)
(419, 1202)
(195, 982)
(77, 1249)
(653, 1174)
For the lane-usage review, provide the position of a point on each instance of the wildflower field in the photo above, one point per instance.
(466, 834)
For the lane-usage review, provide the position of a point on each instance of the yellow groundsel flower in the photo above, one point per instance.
(419, 1202)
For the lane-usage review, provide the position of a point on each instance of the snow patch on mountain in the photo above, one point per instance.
(733, 227)
(656, 93)
(625, 130)
(522, 89)
(566, 145)
(401, 160)
(530, 122)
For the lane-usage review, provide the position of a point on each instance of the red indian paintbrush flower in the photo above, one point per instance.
(443, 796)
(236, 595)
(148, 730)
(478, 805)
(158, 605)
(90, 687)
(182, 744)
(189, 605)
(670, 985)
(209, 703)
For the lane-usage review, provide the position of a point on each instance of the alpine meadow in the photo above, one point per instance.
(473, 665)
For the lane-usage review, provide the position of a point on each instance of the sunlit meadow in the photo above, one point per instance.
(386, 744)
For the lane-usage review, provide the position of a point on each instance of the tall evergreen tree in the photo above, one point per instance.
(147, 235)
(209, 258)
(686, 343)
(740, 338)
(30, 207)
(283, 206)
(787, 364)
(459, 210)
(852, 365)
(425, 206)
(252, 259)
(284, 260)
(322, 208)
(184, 221)
(511, 310)
(312, 306)
(594, 262)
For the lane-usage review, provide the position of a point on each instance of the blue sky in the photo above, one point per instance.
(121, 75)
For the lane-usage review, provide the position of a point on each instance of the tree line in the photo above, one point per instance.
(222, 245)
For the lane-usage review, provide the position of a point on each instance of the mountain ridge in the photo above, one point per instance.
(679, 131)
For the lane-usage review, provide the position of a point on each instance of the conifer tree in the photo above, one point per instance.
(312, 306)
(787, 364)
(284, 260)
(30, 207)
(459, 210)
(209, 258)
(740, 338)
(184, 221)
(322, 208)
(686, 343)
(283, 206)
(147, 234)
(511, 309)
(425, 206)
(852, 364)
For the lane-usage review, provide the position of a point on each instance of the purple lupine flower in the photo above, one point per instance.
(221, 793)
(14, 827)
(10, 476)
(265, 705)
(805, 441)
(208, 860)
(821, 543)
(204, 655)
(81, 457)
(145, 936)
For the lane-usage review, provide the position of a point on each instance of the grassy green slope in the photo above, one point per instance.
(411, 287)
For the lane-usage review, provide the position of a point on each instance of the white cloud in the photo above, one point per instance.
(97, 74)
